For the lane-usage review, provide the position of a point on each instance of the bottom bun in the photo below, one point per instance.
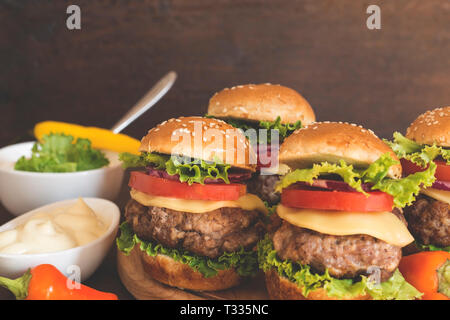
(177, 274)
(280, 288)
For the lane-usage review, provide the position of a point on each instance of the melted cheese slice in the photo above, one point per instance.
(440, 195)
(381, 225)
(247, 202)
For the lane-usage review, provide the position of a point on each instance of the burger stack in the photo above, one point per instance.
(257, 186)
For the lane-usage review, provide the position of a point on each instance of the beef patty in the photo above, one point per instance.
(429, 221)
(207, 234)
(344, 256)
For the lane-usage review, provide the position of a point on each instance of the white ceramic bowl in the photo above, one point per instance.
(87, 258)
(22, 191)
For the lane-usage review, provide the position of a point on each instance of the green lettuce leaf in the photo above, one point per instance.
(395, 288)
(406, 189)
(417, 153)
(443, 273)
(130, 160)
(193, 172)
(378, 170)
(271, 209)
(403, 190)
(284, 130)
(240, 124)
(59, 153)
(430, 247)
(346, 172)
(245, 262)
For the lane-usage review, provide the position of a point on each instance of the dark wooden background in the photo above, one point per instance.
(381, 79)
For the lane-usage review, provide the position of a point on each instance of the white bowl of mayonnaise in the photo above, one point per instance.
(73, 235)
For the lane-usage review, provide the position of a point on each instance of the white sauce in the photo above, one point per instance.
(61, 229)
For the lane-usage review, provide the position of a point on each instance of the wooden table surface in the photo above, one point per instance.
(106, 277)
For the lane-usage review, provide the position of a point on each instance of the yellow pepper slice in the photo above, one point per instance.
(100, 138)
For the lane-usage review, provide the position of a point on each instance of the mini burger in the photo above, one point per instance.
(273, 112)
(190, 217)
(342, 229)
(427, 147)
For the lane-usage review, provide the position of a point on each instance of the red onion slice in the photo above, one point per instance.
(441, 185)
(264, 153)
(333, 185)
(234, 177)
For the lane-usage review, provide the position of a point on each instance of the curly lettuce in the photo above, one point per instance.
(244, 262)
(130, 160)
(284, 130)
(60, 153)
(193, 172)
(430, 247)
(406, 189)
(403, 190)
(395, 288)
(346, 172)
(271, 209)
(419, 154)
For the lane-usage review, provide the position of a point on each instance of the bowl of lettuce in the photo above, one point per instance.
(33, 174)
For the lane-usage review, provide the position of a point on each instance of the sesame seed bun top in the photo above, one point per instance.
(332, 142)
(201, 138)
(256, 102)
(431, 127)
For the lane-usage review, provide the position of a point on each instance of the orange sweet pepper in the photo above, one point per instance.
(428, 272)
(46, 282)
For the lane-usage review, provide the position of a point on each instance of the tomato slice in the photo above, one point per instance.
(175, 189)
(442, 169)
(337, 200)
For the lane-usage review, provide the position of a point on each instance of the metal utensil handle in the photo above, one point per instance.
(146, 102)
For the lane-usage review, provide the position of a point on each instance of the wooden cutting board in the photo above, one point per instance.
(143, 287)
